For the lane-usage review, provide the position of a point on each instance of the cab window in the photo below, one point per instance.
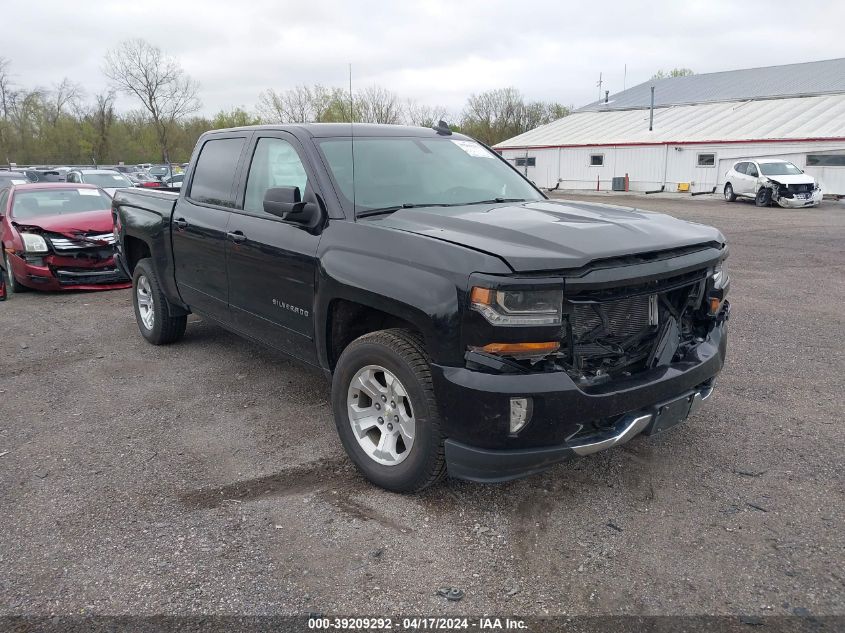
(274, 164)
(215, 172)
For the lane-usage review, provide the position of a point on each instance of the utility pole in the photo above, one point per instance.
(599, 84)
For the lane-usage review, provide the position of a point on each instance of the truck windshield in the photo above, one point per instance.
(779, 169)
(36, 204)
(392, 172)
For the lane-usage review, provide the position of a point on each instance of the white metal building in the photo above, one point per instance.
(702, 124)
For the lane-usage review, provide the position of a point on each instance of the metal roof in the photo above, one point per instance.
(800, 118)
(790, 80)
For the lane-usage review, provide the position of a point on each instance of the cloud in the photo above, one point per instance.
(434, 51)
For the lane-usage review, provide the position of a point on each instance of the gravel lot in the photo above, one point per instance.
(207, 477)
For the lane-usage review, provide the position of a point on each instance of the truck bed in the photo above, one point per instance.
(158, 202)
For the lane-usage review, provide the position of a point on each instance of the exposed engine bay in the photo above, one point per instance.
(619, 332)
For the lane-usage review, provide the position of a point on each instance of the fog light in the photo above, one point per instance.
(521, 410)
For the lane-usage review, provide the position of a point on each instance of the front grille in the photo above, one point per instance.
(88, 276)
(613, 332)
(622, 318)
(92, 240)
(800, 188)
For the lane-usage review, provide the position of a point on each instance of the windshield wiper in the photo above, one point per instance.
(415, 205)
(406, 205)
(495, 200)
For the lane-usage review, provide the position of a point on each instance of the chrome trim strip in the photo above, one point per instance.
(633, 425)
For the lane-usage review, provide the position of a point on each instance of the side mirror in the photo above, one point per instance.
(281, 201)
(287, 203)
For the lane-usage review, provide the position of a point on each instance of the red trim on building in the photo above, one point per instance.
(714, 142)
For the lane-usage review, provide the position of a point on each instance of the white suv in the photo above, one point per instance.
(772, 180)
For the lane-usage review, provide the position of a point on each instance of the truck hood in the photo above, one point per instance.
(551, 235)
(69, 224)
(797, 179)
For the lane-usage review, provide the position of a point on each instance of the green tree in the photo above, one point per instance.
(675, 72)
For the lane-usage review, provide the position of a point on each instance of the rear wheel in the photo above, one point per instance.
(152, 309)
(730, 196)
(12, 285)
(385, 411)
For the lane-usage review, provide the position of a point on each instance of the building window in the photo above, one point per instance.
(596, 160)
(825, 160)
(706, 160)
(529, 161)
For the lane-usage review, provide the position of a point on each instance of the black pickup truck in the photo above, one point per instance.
(467, 323)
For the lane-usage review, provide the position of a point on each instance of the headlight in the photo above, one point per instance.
(34, 243)
(720, 276)
(519, 307)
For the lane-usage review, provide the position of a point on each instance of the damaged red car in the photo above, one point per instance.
(58, 236)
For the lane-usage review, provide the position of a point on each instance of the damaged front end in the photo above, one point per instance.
(77, 260)
(613, 331)
(790, 195)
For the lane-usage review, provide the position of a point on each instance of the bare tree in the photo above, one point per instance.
(496, 115)
(291, 106)
(5, 87)
(378, 105)
(424, 115)
(140, 69)
(67, 93)
(102, 119)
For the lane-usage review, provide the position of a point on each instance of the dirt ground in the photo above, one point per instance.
(207, 477)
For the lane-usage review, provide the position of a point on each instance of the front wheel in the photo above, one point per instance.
(13, 286)
(730, 196)
(763, 198)
(152, 309)
(385, 411)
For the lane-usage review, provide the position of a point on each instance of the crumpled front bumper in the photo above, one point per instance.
(485, 465)
(799, 203)
(53, 273)
(567, 420)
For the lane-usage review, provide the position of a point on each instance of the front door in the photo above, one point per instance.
(272, 264)
(200, 220)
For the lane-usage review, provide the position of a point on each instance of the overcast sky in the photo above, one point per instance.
(436, 52)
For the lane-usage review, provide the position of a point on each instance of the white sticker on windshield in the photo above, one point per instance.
(473, 149)
(118, 177)
(88, 192)
(18, 182)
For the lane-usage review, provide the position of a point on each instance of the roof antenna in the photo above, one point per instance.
(442, 128)
(352, 139)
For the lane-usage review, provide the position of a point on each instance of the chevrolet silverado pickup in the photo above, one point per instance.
(467, 323)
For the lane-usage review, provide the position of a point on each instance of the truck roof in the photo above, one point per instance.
(327, 130)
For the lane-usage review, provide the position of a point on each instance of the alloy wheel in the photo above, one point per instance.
(381, 415)
(144, 297)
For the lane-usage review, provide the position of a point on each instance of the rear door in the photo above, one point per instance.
(753, 174)
(739, 180)
(272, 263)
(199, 225)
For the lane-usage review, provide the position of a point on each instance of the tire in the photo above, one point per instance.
(730, 196)
(13, 286)
(402, 354)
(152, 309)
(763, 197)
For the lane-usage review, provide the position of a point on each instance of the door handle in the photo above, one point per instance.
(181, 223)
(236, 236)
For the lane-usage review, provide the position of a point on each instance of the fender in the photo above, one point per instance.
(405, 275)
